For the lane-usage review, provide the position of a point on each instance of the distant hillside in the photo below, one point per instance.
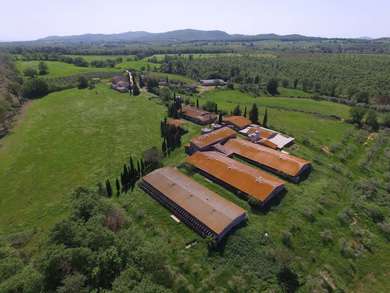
(185, 35)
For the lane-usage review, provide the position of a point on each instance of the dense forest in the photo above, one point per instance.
(351, 76)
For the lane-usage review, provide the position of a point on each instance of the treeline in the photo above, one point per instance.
(10, 88)
(362, 78)
(75, 60)
(38, 87)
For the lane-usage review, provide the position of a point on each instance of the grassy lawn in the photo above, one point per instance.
(60, 69)
(230, 98)
(68, 139)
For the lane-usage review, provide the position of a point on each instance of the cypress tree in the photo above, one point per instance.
(216, 108)
(244, 112)
(197, 103)
(138, 170)
(118, 187)
(254, 114)
(136, 90)
(265, 119)
(142, 167)
(164, 147)
(108, 188)
(220, 118)
(132, 172)
(125, 178)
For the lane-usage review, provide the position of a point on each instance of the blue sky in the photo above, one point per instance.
(32, 19)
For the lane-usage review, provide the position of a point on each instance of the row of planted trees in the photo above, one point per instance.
(129, 176)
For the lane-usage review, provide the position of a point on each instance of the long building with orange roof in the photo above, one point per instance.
(197, 115)
(283, 164)
(203, 210)
(206, 141)
(236, 176)
(238, 122)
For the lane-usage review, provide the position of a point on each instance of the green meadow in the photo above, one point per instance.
(68, 139)
(60, 69)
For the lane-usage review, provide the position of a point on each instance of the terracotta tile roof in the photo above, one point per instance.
(264, 132)
(213, 137)
(252, 181)
(198, 114)
(175, 122)
(239, 122)
(287, 164)
(208, 207)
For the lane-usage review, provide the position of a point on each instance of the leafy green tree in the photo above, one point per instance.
(35, 88)
(372, 120)
(386, 120)
(43, 69)
(82, 82)
(362, 97)
(272, 87)
(265, 119)
(357, 114)
(30, 72)
(254, 114)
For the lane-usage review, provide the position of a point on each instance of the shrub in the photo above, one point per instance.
(35, 88)
(309, 215)
(30, 72)
(286, 238)
(82, 82)
(385, 229)
(376, 214)
(345, 216)
(326, 236)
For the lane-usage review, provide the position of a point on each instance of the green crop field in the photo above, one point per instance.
(230, 98)
(61, 69)
(67, 139)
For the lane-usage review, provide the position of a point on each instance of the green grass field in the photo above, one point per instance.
(230, 98)
(68, 139)
(61, 69)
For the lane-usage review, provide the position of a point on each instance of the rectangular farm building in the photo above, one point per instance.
(267, 137)
(238, 122)
(288, 166)
(203, 210)
(237, 176)
(205, 141)
(197, 116)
